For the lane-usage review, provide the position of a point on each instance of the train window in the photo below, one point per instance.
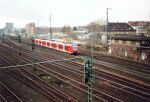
(69, 47)
(36, 41)
(43, 43)
(54, 45)
(75, 47)
(66, 47)
(48, 43)
(60, 46)
(39, 42)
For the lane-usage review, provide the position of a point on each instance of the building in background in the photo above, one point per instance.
(46, 30)
(141, 27)
(30, 29)
(115, 28)
(9, 26)
(119, 28)
(131, 46)
(42, 30)
(9, 29)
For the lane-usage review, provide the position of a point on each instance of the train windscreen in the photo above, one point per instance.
(75, 46)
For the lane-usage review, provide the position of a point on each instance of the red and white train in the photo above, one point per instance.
(71, 48)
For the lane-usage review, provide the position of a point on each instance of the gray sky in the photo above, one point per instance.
(71, 12)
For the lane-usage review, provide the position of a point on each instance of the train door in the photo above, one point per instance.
(48, 44)
(40, 42)
(60, 47)
(63, 47)
(143, 56)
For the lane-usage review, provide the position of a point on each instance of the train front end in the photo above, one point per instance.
(75, 49)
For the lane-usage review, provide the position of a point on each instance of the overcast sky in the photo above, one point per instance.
(71, 12)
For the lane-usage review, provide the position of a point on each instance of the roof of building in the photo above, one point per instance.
(138, 23)
(131, 37)
(119, 27)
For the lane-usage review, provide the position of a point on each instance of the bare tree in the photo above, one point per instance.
(96, 25)
(95, 29)
(66, 29)
(74, 28)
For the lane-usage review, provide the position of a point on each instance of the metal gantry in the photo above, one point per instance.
(88, 76)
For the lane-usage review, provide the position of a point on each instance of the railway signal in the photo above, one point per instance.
(88, 76)
(33, 54)
(87, 69)
(33, 43)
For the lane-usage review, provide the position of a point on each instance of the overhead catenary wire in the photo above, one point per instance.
(30, 64)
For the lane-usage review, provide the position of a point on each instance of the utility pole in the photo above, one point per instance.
(92, 46)
(107, 22)
(50, 30)
(38, 28)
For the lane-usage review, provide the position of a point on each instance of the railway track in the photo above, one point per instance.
(38, 84)
(96, 91)
(127, 84)
(59, 76)
(65, 79)
(103, 79)
(6, 95)
(127, 63)
(135, 88)
(2, 99)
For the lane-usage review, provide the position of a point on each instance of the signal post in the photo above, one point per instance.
(88, 76)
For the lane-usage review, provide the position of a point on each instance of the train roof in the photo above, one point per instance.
(58, 40)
